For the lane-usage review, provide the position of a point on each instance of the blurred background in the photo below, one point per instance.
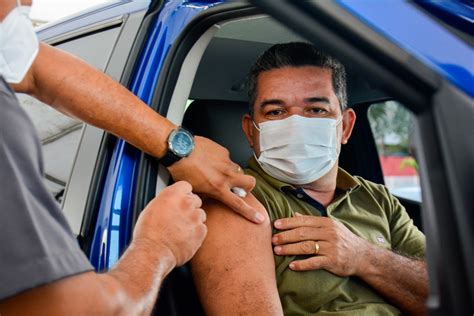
(44, 11)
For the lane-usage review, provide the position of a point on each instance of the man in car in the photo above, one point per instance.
(42, 268)
(340, 245)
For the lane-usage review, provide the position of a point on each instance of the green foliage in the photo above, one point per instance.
(391, 119)
(409, 162)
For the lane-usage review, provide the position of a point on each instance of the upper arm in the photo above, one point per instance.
(406, 237)
(234, 271)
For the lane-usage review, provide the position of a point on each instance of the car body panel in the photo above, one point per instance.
(420, 35)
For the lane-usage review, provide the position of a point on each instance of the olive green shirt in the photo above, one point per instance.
(365, 208)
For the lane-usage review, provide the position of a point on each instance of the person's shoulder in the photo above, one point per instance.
(375, 188)
(377, 191)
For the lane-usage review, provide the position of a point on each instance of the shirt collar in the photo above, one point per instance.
(344, 181)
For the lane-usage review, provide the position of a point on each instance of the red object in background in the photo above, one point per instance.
(391, 166)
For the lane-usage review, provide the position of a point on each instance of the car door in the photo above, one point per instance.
(432, 74)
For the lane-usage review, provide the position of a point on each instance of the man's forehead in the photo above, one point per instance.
(308, 80)
(296, 77)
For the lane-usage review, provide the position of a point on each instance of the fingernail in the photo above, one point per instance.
(292, 266)
(277, 249)
(277, 224)
(274, 239)
(298, 214)
(259, 217)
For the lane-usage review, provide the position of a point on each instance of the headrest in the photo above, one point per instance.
(221, 122)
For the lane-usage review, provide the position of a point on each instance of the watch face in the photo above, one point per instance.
(182, 143)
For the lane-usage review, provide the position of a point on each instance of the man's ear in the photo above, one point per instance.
(247, 127)
(348, 122)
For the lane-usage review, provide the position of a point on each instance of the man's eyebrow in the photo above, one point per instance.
(317, 100)
(281, 102)
(271, 102)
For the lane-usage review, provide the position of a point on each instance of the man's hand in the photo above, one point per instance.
(339, 250)
(212, 174)
(401, 280)
(173, 220)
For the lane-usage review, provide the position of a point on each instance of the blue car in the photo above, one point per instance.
(188, 60)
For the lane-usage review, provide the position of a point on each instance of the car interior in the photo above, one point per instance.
(217, 99)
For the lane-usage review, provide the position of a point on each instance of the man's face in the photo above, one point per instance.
(306, 91)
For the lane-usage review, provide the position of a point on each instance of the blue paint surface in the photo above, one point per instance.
(413, 30)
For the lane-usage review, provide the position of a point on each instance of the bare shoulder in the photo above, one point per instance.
(217, 211)
(234, 270)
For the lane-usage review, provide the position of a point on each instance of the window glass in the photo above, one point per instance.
(392, 127)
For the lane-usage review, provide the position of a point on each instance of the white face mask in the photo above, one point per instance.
(18, 44)
(298, 150)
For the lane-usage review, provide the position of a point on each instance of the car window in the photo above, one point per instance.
(60, 134)
(392, 127)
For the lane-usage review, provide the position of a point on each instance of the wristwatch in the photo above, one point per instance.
(180, 145)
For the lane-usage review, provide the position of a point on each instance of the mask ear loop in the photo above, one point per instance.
(253, 150)
(337, 124)
(255, 124)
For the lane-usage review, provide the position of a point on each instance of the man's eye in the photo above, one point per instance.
(275, 112)
(318, 111)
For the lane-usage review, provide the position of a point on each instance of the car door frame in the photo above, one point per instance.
(447, 194)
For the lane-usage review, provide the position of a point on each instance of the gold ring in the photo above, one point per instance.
(316, 248)
(239, 170)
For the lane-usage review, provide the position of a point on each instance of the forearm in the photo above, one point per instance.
(140, 273)
(401, 280)
(73, 87)
(129, 289)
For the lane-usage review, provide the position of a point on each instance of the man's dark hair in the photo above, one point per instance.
(297, 54)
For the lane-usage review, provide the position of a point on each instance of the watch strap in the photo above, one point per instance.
(169, 158)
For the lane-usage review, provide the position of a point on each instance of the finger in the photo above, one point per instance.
(202, 215)
(240, 206)
(195, 200)
(313, 263)
(243, 181)
(300, 234)
(300, 221)
(307, 247)
(182, 186)
(238, 169)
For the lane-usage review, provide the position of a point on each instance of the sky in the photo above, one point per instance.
(50, 10)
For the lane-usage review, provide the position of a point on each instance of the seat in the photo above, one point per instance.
(220, 121)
